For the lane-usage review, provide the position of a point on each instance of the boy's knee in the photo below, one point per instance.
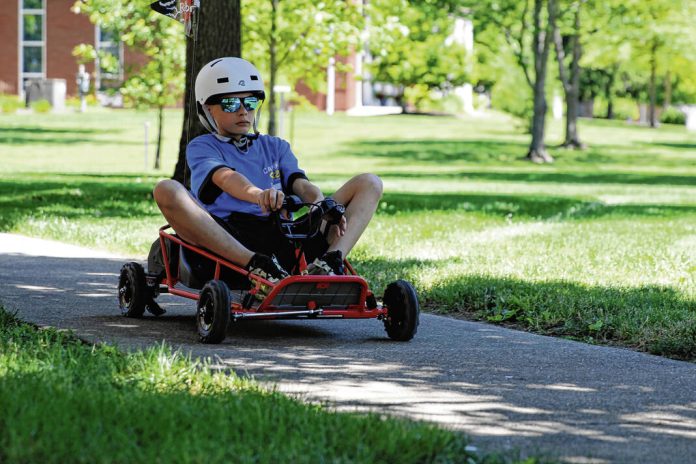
(372, 183)
(165, 191)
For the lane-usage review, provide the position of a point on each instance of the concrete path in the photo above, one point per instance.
(508, 390)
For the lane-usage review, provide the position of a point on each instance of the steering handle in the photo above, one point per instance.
(292, 203)
(327, 209)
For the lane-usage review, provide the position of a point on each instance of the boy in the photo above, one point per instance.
(238, 177)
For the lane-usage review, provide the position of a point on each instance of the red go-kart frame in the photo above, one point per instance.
(297, 296)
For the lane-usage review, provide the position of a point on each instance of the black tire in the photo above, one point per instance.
(213, 314)
(132, 290)
(403, 311)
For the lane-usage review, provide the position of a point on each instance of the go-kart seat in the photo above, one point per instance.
(195, 270)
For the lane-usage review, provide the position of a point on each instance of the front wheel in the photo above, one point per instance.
(132, 290)
(213, 315)
(403, 311)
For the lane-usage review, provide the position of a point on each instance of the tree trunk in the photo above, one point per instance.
(668, 91)
(609, 93)
(273, 52)
(652, 116)
(160, 122)
(571, 84)
(541, 42)
(218, 34)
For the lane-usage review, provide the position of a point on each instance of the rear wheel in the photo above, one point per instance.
(132, 290)
(213, 315)
(403, 311)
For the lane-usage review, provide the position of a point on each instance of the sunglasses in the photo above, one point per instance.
(232, 104)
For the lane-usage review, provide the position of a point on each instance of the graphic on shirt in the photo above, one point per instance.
(273, 171)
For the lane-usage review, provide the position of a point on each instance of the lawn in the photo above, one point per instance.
(66, 401)
(598, 246)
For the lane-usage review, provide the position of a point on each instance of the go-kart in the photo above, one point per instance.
(227, 292)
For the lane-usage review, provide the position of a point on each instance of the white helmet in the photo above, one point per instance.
(222, 76)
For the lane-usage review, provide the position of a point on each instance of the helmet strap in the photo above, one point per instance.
(242, 144)
(257, 118)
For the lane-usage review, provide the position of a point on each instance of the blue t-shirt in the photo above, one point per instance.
(268, 162)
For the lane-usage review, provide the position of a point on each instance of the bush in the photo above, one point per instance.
(41, 106)
(625, 109)
(421, 99)
(10, 104)
(513, 96)
(673, 116)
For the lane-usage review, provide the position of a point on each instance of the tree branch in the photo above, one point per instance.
(517, 43)
(560, 56)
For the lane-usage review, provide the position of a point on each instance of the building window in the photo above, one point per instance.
(32, 35)
(111, 70)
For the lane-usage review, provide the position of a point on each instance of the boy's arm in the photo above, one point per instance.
(307, 191)
(311, 193)
(237, 185)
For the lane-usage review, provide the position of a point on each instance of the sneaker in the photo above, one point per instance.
(329, 264)
(266, 267)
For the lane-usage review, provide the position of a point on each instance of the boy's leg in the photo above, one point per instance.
(360, 195)
(195, 225)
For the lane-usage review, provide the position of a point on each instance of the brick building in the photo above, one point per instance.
(37, 38)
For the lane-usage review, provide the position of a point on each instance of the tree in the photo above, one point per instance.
(666, 31)
(411, 45)
(528, 34)
(641, 44)
(294, 40)
(569, 73)
(158, 83)
(217, 33)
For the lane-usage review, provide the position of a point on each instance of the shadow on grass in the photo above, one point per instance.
(677, 145)
(652, 318)
(523, 206)
(118, 196)
(21, 199)
(34, 134)
(554, 177)
(512, 154)
(438, 151)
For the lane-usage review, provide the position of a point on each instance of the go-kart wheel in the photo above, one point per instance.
(403, 311)
(213, 313)
(132, 290)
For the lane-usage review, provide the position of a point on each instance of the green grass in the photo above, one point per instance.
(66, 401)
(598, 246)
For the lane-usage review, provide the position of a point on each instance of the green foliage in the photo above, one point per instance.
(160, 81)
(673, 116)
(66, 401)
(511, 94)
(9, 104)
(412, 48)
(307, 35)
(41, 106)
(85, 53)
(637, 34)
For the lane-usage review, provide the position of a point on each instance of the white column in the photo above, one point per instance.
(468, 27)
(690, 117)
(463, 34)
(331, 87)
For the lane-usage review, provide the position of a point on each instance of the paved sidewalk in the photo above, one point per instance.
(509, 390)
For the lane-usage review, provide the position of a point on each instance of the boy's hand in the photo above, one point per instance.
(337, 230)
(270, 200)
